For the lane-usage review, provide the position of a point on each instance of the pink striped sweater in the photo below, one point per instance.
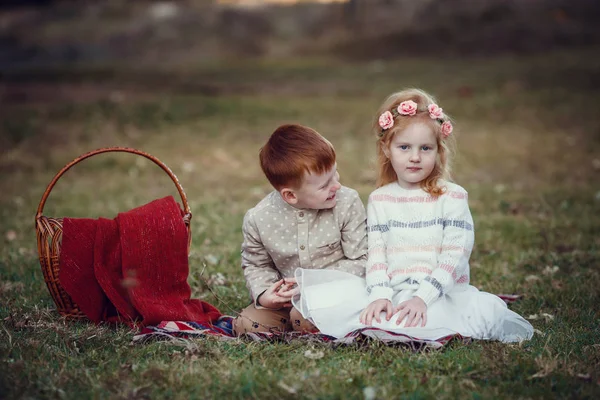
(418, 242)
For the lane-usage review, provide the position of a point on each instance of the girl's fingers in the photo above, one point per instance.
(378, 314)
(401, 316)
(424, 319)
(417, 319)
(388, 311)
(399, 307)
(410, 318)
(363, 316)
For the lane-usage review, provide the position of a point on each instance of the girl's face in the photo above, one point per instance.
(413, 154)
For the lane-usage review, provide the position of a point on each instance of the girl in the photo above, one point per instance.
(420, 239)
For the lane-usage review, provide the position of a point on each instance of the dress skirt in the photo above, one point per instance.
(333, 301)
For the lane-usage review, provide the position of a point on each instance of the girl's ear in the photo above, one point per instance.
(289, 196)
(386, 149)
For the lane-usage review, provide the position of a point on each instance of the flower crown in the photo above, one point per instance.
(409, 108)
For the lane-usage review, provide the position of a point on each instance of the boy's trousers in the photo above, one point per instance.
(287, 319)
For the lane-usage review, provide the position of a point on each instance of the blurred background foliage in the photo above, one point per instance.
(44, 32)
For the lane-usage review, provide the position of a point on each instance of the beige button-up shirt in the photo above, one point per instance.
(279, 238)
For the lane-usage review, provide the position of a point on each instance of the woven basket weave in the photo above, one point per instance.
(49, 232)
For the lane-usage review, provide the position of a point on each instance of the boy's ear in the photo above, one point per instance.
(289, 196)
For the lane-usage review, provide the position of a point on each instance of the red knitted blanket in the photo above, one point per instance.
(133, 268)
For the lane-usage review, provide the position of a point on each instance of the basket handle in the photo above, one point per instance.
(186, 207)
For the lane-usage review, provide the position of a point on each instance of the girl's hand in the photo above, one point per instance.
(415, 311)
(375, 309)
(279, 294)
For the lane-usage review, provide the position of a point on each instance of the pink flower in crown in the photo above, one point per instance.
(447, 129)
(386, 120)
(435, 111)
(408, 107)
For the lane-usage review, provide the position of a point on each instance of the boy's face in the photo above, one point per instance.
(318, 191)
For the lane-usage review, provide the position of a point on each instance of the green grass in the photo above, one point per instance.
(529, 155)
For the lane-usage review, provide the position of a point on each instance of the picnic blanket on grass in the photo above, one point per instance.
(222, 328)
(173, 330)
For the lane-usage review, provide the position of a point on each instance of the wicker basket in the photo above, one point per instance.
(49, 233)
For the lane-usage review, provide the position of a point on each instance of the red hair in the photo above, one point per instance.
(291, 152)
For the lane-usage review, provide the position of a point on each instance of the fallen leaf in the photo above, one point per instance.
(585, 377)
(546, 365)
(314, 355)
(548, 317)
(212, 259)
(10, 235)
(217, 279)
(532, 278)
(469, 383)
(369, 393)
(550, 270)
(289, 389)
(539, 374)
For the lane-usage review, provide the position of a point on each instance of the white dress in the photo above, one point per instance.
(333, 301)
(418, 245)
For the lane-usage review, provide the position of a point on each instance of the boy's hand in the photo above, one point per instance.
(375, 309)
(279, 294)
(415, 311)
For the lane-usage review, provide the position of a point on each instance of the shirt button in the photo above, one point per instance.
(302, 247)
(301, 215)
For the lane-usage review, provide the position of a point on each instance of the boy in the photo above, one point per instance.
(308, 221)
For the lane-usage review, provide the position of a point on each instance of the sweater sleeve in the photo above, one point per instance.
(378, 281)
(259, 268)
(457, 244)
(353, 232)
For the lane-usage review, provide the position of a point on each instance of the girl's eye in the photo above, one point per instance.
(403, 147)
(425, 148)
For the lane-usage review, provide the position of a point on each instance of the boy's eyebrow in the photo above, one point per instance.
(329, 180)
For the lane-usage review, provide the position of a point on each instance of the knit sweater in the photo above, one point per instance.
(417, 241)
